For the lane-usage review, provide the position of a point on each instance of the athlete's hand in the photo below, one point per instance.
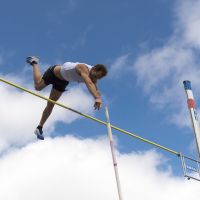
(97, 104)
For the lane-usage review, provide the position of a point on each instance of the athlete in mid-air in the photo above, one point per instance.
(60, 76)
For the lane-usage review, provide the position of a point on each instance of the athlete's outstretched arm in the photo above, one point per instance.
(84, 73)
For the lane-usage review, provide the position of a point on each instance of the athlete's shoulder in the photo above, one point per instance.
(84, 65)
(81, 68)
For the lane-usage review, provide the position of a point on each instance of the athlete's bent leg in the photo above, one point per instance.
(38, 81)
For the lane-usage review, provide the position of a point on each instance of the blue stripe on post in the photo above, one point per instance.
(187, 85)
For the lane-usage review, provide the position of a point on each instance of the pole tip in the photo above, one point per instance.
(187, 85)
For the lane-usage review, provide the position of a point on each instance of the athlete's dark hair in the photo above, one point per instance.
(102, 68)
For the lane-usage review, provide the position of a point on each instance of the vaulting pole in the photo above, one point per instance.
(113, 154)
(193, 114)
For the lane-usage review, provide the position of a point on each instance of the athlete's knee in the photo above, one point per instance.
(38, 88)
(39, 85)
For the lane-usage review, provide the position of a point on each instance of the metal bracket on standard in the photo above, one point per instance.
(191, 168)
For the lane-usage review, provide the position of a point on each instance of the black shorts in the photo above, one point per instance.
(50, 78)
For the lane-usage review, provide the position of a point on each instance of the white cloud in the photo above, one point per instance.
(71, 168)
(161, 71)
(118, 66)
(20, 112)
(189, 20)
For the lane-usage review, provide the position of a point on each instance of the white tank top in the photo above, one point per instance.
(69, 72)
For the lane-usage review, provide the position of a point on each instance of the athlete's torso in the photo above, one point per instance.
(68, 71)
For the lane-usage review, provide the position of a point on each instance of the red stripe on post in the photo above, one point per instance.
(191, 103)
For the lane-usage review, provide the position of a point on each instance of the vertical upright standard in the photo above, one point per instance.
(113, 154)
(193, 114)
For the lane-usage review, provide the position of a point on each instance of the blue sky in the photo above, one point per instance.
(150, 47)
(93, 31)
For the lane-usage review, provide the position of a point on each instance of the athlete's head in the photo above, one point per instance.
(98, 72)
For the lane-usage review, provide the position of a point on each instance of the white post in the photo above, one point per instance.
(193, 114)
(113, 154)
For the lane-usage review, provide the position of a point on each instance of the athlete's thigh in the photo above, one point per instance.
(41, 85)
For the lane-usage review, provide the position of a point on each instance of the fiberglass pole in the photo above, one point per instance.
(193, 114)
(113, 154)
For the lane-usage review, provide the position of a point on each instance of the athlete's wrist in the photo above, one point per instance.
(97, 97)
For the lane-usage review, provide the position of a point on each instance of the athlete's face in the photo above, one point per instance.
(95, 75)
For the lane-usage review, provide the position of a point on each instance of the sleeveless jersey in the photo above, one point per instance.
(69, 72)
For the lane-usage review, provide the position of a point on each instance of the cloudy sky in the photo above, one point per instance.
(150, 47)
